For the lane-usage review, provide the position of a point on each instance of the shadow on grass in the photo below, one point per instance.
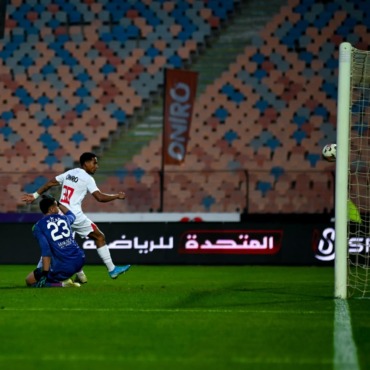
(242, 297)
(15, 287)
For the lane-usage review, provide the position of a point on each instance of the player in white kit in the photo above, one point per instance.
(75, 185)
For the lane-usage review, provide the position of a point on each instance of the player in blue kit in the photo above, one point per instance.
(61, 255)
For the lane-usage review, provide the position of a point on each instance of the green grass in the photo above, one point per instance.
(177, 317)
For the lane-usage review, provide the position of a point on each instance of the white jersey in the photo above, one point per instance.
(75, 184)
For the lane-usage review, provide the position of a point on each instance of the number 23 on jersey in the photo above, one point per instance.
(59, 229)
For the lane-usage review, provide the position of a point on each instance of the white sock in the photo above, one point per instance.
(105, 256)
(39, 265)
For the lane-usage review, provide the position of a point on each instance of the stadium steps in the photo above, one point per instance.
(232, 38)
(143, 128)
(214, 58)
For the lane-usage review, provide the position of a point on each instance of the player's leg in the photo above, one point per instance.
(104, 253)
(34, 277)
(86, 228)
(61, 273)
(31, 279)
(80, 277)
(101, 246)
(79, 228)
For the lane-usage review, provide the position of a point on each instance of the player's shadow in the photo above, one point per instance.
(243, 297)
(16, 287)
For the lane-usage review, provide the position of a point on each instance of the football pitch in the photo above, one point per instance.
(184, 317)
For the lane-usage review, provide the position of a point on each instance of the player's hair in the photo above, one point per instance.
(45, 203)
(85, 157)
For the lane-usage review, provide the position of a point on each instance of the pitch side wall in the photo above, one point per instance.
(255, 242)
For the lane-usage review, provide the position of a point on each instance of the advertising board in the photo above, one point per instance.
(216, 243)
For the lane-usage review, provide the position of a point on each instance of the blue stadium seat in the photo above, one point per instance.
(264, 187)
(207, 202)
(77, 138)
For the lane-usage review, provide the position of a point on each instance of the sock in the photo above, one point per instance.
(106, 258)
(39, 265)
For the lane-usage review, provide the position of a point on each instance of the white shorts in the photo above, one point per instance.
(83, 226)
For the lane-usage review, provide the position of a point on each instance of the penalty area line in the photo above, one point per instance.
(345, 351)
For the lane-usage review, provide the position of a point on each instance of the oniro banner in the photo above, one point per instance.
(180, 90)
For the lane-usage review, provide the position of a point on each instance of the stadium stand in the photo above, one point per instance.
(73, 74)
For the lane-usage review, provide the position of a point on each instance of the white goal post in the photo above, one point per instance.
(341, 170)
(352, 179)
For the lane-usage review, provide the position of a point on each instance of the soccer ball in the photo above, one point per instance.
(329, 152)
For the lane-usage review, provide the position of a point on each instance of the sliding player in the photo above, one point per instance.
(75, 185)
(60, 254)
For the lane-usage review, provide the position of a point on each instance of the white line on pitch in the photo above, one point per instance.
(149, 310)
(345, 351)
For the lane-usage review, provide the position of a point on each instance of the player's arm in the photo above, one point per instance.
(29, 198)
(46, 261)
(67, 212)
(40, 277)
(63, 208)
(42, 241)
(104, 198)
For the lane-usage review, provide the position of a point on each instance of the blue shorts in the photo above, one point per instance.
(62, 271)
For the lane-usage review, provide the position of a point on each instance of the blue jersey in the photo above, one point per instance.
(55, 238)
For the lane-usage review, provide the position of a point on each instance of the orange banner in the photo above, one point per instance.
(180, 91)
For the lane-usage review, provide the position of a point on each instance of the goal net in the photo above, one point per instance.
(352, 203)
